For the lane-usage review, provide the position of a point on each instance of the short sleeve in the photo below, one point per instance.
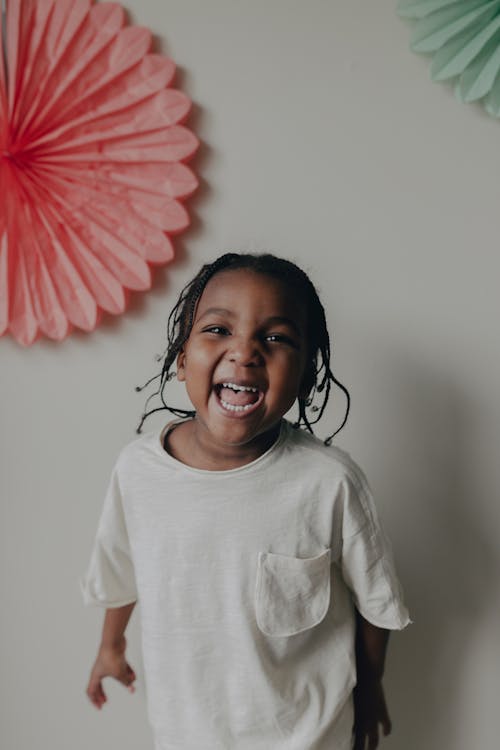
(366, 559)
(110, 580)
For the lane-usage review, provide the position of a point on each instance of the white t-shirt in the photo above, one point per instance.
(245, 581)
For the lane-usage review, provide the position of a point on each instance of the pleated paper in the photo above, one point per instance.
(464, 41)
(92, 172)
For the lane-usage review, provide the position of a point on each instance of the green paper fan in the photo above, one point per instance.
(463, 36)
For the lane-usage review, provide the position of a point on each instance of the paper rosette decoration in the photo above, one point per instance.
(464, 39)
(91, 164)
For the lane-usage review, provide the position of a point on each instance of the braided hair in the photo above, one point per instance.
(318, 376)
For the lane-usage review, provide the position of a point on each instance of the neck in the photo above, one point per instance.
(188, 443)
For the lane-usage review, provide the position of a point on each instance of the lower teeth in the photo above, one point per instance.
(234, 407)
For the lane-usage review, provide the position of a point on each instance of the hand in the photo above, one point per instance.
(370, 710)
(110, 662)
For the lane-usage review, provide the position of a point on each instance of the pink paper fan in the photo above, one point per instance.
(91, 164)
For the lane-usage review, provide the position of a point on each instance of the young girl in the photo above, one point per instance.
(266, 585)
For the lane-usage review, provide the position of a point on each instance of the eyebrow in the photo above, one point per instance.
(217, 311)
(274, 319)
(285, 321)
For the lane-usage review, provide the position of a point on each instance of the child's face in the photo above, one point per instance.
(249, 332)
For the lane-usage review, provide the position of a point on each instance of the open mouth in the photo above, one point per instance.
(238, 399)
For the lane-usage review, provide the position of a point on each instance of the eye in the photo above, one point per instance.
(281, 338)
(218, 330)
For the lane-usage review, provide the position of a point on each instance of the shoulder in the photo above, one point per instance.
(325, 458)
(137, 449)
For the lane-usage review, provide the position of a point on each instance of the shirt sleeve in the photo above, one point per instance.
(110, 579)
(366, 559)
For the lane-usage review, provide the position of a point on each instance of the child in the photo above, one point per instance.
(266, 585)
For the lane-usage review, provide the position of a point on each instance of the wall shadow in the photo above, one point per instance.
(444, 554)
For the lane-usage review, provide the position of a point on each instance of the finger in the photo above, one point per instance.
(373, 738)
(386, 721)
(96, 694)
(359, 741)
(128, 677)
(101, 695)
(131, 676)
(386, 726)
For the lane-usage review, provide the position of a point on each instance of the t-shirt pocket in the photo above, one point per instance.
(292, 594)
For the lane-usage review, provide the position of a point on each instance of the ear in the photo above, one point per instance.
(303, 392)
(306, 384)
(181, 369)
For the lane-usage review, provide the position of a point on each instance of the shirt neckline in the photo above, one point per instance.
(245, 468)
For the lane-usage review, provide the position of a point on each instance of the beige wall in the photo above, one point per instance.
(323, 140)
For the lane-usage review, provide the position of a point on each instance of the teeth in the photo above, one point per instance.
(235, 387)
(234, 407)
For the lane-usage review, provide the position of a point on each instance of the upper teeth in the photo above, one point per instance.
(235, 387)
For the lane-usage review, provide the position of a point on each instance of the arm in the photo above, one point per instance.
(110, 660)
(115, 622)
(370, 708)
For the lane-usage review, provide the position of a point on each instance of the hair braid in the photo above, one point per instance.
(318, 379)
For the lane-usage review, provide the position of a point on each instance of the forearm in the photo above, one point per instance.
(371, 648)
(115, 622)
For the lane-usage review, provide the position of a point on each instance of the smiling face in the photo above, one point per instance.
(244, 360)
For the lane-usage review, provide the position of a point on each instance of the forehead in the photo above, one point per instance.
(251, 293)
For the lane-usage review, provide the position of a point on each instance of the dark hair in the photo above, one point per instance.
(318, 375)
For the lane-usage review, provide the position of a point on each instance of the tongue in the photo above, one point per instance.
(238, 398)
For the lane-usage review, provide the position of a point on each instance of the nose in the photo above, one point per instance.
(244, 351)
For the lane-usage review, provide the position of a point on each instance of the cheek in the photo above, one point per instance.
(198, 367)
(290, 380)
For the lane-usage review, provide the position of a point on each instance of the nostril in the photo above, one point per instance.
(244, 354)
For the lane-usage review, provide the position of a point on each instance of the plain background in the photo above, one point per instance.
(323, 140)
